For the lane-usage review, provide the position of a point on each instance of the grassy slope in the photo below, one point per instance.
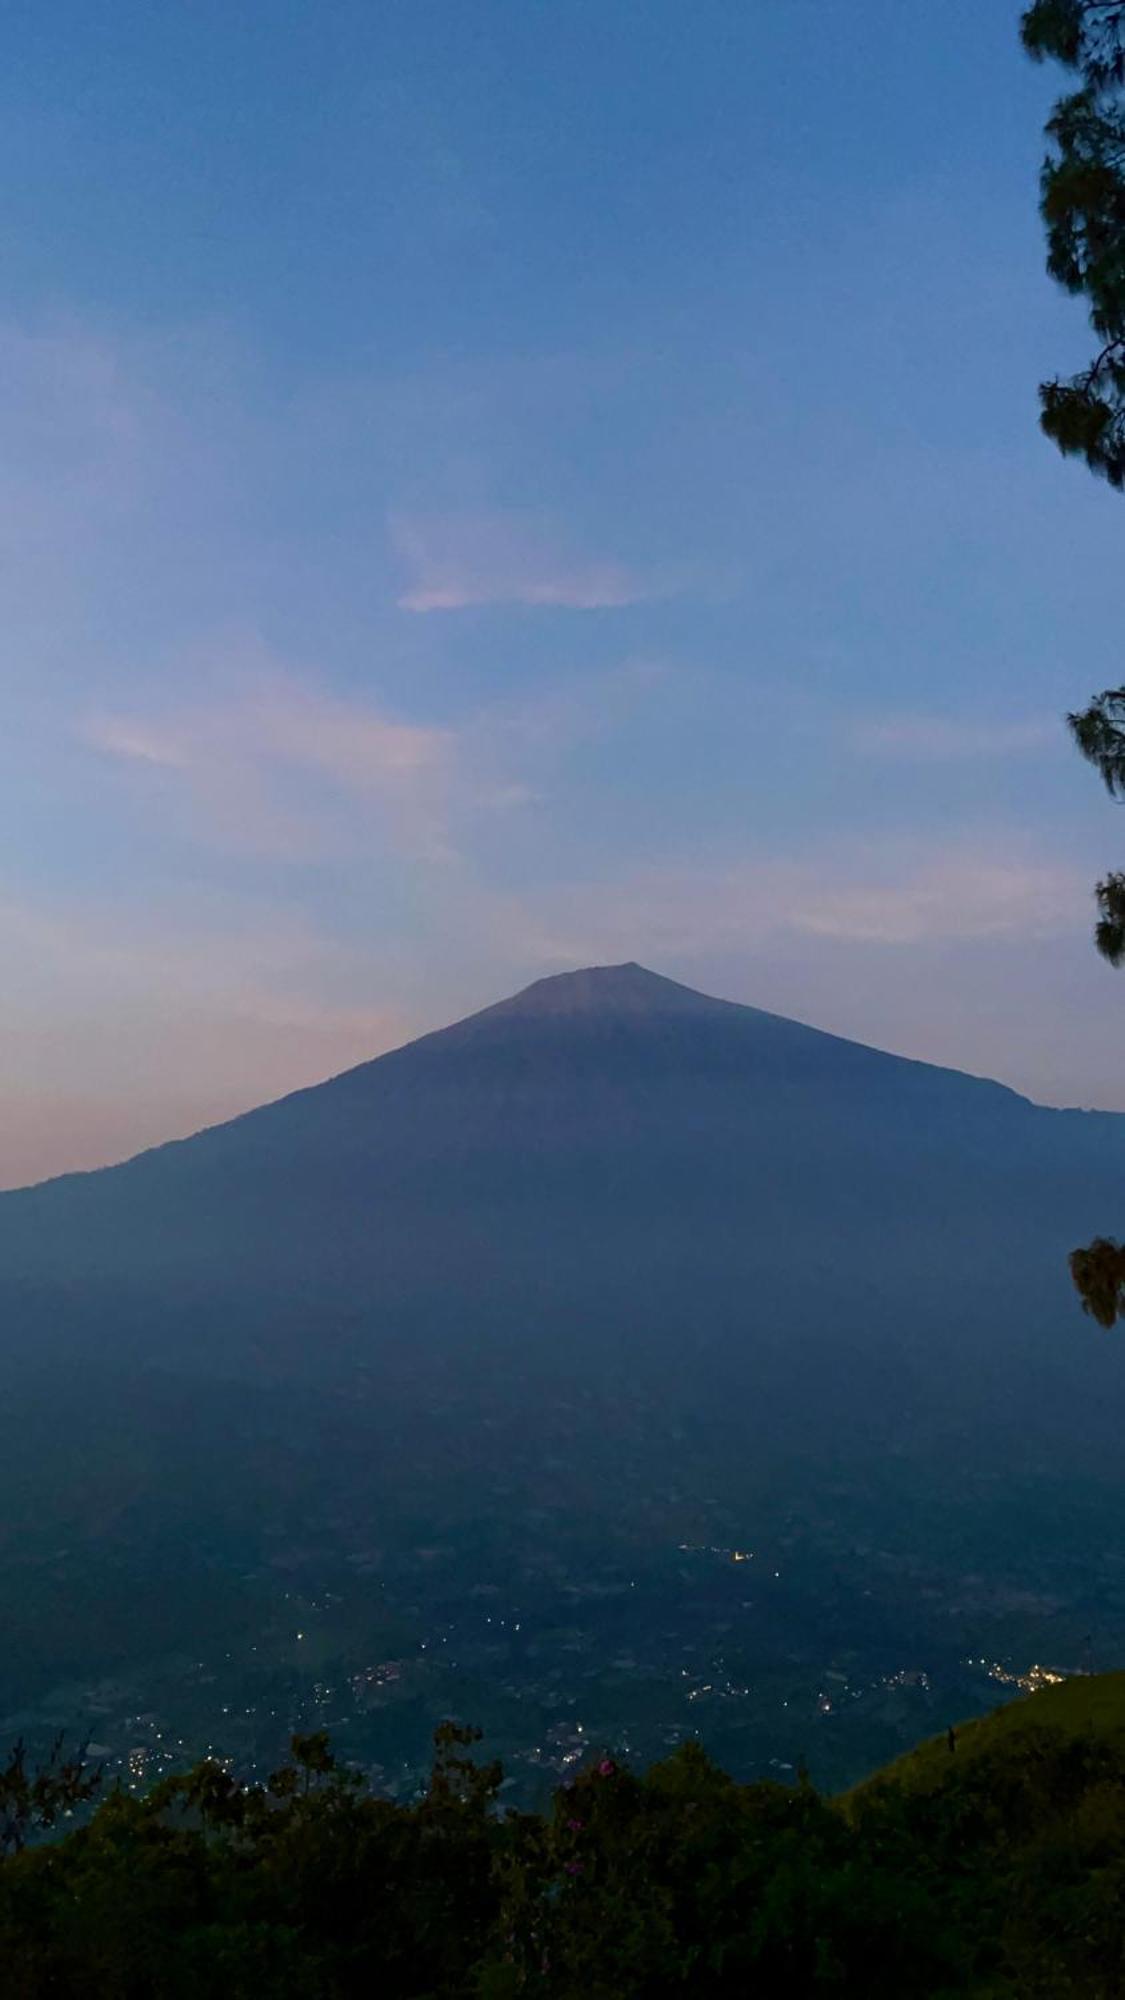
(1072, 1708)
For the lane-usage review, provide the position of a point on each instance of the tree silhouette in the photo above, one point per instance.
(1082, 202)
(34, 1798)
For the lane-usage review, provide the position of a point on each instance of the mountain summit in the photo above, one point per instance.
(605, 989)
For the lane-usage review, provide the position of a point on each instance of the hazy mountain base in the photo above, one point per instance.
(992, 1864)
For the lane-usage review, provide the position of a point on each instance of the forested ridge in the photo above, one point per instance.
(991, 1862)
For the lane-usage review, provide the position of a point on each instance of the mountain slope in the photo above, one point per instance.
(607, 1164)
(1080, 1707)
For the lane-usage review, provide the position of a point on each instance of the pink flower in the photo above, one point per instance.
(606, 1768)
(575, 1825)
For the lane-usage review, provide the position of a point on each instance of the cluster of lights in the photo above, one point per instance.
(1035, 1677)
(710, 1549)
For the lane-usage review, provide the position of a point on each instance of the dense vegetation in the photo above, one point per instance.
(991, 1862)
(1082, 193)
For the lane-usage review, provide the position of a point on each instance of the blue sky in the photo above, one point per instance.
(493, 485)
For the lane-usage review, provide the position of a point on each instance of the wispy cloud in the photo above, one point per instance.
(268, 765)
(936, 737)
(269, 762)
(458, 561)
(851, 893)
(952, 897)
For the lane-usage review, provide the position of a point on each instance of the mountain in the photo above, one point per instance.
(606, 1160)
(618, 1355)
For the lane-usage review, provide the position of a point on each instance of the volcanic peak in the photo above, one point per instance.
(629, 990)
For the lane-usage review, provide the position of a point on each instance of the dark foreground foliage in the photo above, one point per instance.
(1082, 199)
(999, 1871)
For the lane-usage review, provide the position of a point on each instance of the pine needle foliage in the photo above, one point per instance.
(1082, 201)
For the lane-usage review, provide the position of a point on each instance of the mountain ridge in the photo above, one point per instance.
(587, 998)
